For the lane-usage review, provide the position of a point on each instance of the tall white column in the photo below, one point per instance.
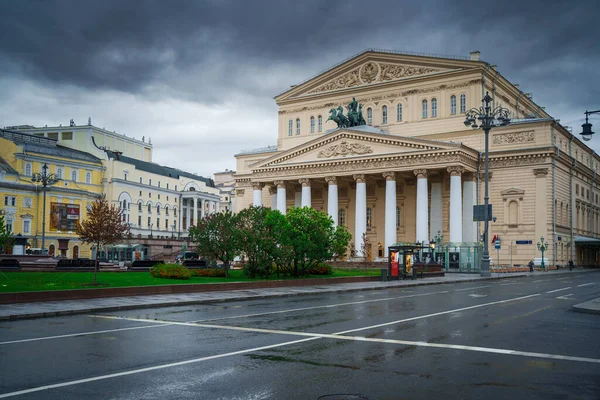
(188, 215)
(195, 212)
(273, 192)
(202, 205)
(257, 194)
(456, 220)
(436, 217)
(332, 199)
(281, 199)
(360, 225)
(306, 200)
(469, 200)
(390, 210)
(422, 206)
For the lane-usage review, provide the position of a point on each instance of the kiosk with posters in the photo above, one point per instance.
(406, 260)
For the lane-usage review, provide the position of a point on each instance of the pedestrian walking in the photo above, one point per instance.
(531, 266)
(571, 265)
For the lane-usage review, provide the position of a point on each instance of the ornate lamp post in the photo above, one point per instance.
(587, 132)
(489, 117)
(542, 247)
(45, 179)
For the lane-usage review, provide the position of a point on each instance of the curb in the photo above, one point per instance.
(14, 317)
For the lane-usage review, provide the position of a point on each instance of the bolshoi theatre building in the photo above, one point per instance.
(414, 172)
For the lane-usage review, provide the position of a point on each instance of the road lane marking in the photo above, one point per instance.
(83, 334)
(154, 368)
(558, 290)
(472, 288)
(319, 307)
(511, 283)
(542, 280)
(478, 295)
(566, 297)
(586, 284)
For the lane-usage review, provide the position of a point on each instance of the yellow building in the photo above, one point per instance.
(414, 171)
(79, 184)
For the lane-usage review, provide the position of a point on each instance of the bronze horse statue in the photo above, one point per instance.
(338, 117)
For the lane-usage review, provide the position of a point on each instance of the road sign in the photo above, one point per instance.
(497, 244)
(479, 213)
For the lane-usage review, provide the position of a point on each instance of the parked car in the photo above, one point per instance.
(183, 256)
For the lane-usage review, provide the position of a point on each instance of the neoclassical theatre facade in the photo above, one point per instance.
(414, 171)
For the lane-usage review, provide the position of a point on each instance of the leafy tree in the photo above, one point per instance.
(311, 236)
(5, 234)
(217, 237)
(341, 238)
(103, 226)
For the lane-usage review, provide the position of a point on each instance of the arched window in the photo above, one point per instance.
(158, 209)
(175, 212)
(397, 217)
(342, 217)
(28, 169)
(384, 114)
(140, 207)
(399, 112)
(433, 108)
(463, 103)
(74, 176)
(149, 208)
(320, 123)
(424, 114)
(369, 217)
(297, 126)
(513, 213)
(88, 177)
(369, 116)
(312, 124)
(59, 173)
(290, 127)
(453, 105)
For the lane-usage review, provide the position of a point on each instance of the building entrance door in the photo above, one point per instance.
(75, 252)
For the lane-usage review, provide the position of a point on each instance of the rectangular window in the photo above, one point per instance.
(88, 177)
(125, 176)
(9, 225)
(59, 173)
(141, 179)
(175, 187)
(158, 183)
(159, 196)
(10, 201)
(149, 221)
(140, 192)
(67, 136)
(139, 220)
(157, 223)
(150, 182)
(74, 176)
(27, 226)
(167, 185)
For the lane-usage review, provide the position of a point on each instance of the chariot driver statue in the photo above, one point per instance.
(354, 118)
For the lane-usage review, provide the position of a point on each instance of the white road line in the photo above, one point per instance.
(562, 279)
(586, 284)
(319, 307)
(511, 283)
(566, 297)
(472, 288)
(154, 368)
(84, 333)
(542, 280)
(558, 290)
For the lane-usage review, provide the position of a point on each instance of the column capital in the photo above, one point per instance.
(305, 182)
(280, 184)
(455, 170)
(331, 180)
(359, 178)
(482, 175)
(420, 173)
(272, 188)
(540, 172)
(257, 185)
(389, 176)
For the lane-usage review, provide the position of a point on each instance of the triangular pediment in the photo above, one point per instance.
(513, 192)
(349, 143)
(372, 68)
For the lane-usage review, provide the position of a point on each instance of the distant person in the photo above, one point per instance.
(571, 265)
(531, 266)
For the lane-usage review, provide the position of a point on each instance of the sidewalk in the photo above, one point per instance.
(69, 307)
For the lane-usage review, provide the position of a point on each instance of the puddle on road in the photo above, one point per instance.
(296, 360)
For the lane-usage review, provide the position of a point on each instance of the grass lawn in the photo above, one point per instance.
(39, 281)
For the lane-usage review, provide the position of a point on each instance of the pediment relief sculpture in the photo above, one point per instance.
(513, 192)
(344, 148)
(372, 72)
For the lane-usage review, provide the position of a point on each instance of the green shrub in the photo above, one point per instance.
(321, 269)
(170, 271)
(210, 272)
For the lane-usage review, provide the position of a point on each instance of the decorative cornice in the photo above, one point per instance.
(344, 148)
(513, 138)
(390, 96)
(540, 171)
(240, 192)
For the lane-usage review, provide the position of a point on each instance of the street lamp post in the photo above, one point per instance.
(173, 231)
(542, 247)
(151, 225)
(489, 117)
(45, 179)
(587, 132)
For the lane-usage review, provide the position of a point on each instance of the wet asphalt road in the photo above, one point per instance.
(514, 338)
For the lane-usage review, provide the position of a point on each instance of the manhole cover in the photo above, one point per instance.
(343, 397)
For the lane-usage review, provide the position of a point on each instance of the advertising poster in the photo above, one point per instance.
(64, 217)
(454, 260)
(394, 264)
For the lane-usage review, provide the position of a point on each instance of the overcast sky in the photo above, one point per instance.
(199, 77)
